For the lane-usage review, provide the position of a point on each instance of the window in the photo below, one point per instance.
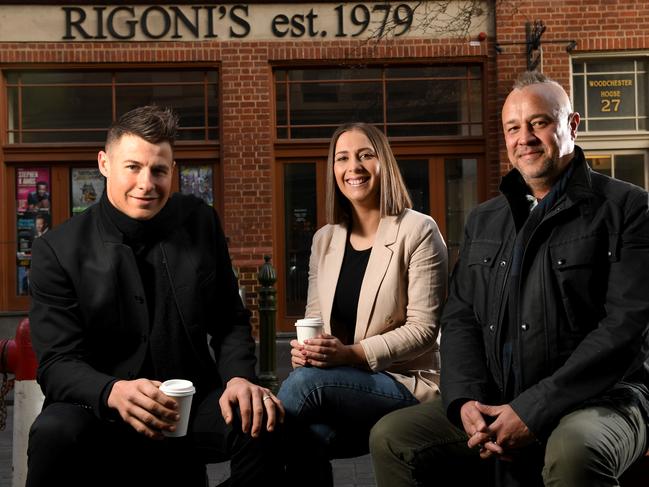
(625, 165)
(55, 123)
(78, 106)
(611, 94)
(405, 101)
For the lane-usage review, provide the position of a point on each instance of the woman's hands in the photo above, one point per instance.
(326, 351)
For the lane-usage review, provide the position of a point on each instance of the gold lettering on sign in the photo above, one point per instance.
(605, 83)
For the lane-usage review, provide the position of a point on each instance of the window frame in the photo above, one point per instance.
(111, 69)
(383, 66)
(62, 156)
(612, 57)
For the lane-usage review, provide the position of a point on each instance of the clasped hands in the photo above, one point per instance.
(496, 430)
(142, 405)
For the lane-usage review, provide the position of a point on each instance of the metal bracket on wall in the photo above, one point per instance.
(533, 53)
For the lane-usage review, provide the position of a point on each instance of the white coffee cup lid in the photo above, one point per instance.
(177, 386)
(309, 322)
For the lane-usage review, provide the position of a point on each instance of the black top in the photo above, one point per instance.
(348, 289)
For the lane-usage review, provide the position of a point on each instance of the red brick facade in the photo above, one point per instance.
(247, 147)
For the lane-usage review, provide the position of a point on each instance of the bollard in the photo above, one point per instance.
(18, 358)
(267, 309)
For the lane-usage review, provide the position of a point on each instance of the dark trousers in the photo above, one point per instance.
(69, 445)
(590, 447)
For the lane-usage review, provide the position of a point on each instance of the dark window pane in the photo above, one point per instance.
(280, 75)
(159, 76)
(475, 72)
(335, 103)
(415, 106)
(426, 101)
(476, 101)
(415, 175)
(461, 198)
(334, 74)
(577, 67)
(609, 66)
(68, 77)
(63, 107)
(312, 132)
(642, 94)
(186, 100)
(300, 223)
(630, 168)
(76, 102)
(12, 116)
(442, 129)
(282, 133)
(65, 136)
(456, 71)
(594, 125)
(191, 134)
(212, 106)
(12, 77)
(280, 103)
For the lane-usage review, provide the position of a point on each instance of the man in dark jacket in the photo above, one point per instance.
(125, 296)
(545, 333)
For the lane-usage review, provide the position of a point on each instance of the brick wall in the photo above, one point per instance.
(247, 113)
(596, 25)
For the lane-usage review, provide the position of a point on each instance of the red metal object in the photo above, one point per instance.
(17, 355)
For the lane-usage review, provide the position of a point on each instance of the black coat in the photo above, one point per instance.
(89, 318)
(583, 310)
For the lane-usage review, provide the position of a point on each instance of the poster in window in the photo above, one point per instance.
(197, 180)
(87, 187)
(33, 201)
(32, 190)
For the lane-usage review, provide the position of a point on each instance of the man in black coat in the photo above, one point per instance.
(545, 335)
(125, 296)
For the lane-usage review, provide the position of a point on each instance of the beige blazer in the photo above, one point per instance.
(401, 295)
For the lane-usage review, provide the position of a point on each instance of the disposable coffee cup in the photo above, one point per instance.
(308, 328)
(182, 391)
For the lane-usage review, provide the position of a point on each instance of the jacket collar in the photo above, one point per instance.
(578, 187)
(377, 266)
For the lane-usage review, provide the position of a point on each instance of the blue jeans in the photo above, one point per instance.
(331, 412)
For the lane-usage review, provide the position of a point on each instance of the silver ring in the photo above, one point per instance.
(267, 396)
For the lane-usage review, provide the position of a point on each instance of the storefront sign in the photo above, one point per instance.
(362, 20)
(611, 95)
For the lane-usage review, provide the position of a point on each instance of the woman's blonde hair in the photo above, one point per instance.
(394, 197)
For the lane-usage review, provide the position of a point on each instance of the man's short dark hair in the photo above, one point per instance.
(152, 123)
(41, 183)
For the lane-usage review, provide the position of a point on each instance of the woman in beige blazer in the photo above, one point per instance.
(377, 278)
